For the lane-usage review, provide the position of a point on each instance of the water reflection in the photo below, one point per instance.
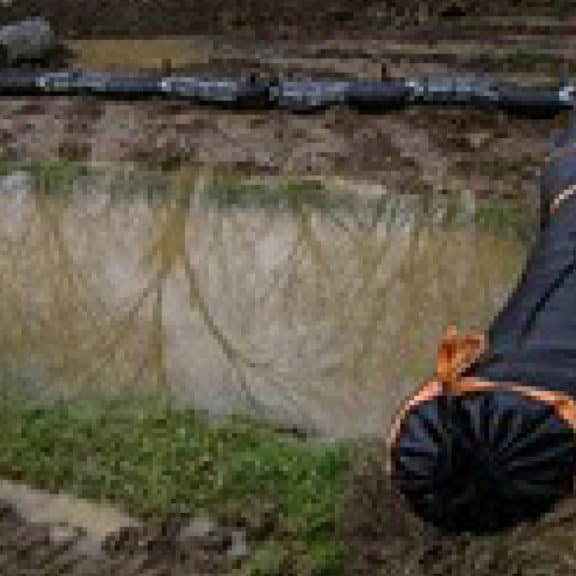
(318, 304)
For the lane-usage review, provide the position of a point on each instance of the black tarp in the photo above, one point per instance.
(533, 339)
(487, 460)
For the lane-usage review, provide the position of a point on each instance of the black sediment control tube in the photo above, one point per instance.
(533, 100)
(489, 458)
(293, 95)
(486, 462)
(369, 95)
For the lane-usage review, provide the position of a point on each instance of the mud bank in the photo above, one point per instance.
(385, 538)
(410, 151)
(414, 150)
(138, 17)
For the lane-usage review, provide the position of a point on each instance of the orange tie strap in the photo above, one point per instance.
(561, 198)
(456, 355)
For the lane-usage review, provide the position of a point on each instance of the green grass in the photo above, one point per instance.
(154, 460)
(290, 195)
(508, 218)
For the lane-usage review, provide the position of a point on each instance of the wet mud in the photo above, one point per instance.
(175, 546)
(386, 539)
(138, 17)
(383, 537)
(487, 152)
(410, 151)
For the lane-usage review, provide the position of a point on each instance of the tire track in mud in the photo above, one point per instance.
(44, 534)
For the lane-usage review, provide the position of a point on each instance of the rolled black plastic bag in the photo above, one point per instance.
(499, 447)
(497, 459)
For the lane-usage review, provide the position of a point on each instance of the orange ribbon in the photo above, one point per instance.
(561, 198)
(456, 355)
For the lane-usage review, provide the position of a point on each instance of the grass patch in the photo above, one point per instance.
(154, 460)
(506, 218)
(290, 195)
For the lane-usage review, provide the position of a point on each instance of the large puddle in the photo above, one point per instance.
(318, 304)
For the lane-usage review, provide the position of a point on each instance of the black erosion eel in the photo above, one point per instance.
(34, 40)
(254, 92)
(490, 440)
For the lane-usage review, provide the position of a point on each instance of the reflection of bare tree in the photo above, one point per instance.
(55, 312)
(61, 281)
(171, 251)
(320, 309)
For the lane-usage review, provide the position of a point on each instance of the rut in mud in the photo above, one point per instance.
(177, 546)
(383, 537)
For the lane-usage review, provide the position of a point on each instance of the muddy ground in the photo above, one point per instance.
(178, 546)
(144, 17)
(413, 150)
(400, 150)
(385, 539)
(418, 149)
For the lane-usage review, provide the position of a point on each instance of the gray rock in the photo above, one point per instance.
(61, 533)
(239, 548)
(201, 526)
(478, 139)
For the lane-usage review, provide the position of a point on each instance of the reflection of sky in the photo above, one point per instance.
(326, 311)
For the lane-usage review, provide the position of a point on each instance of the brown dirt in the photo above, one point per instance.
(142, 17)
(385, 539)
(421, 149)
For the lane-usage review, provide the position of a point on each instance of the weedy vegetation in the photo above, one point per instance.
(154, 460)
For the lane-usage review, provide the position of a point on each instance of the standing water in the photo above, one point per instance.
(317, 304)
